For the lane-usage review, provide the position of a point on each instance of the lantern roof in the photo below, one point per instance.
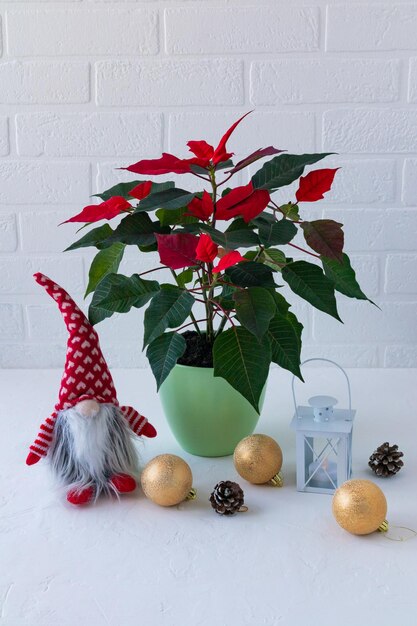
(341, 422)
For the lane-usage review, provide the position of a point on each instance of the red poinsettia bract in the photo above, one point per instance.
(104, 211)
(244, 201)
(229, 259)
(185, 250)
(142, 190)
(178, 250)
(205, 156)
(315, 184)
(202, 208)
(206, 250)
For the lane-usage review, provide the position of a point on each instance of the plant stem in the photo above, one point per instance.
(303, 250)
(222, 282)
(155, 269)
(224, 312)
(190, 324)
(209, 296)
(221, 325)
(192, 316)
(261, 249)
(225, 180)
(213, 195)
(209, 306)
(276, 207)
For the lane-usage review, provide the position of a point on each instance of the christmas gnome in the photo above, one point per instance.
(89, 436)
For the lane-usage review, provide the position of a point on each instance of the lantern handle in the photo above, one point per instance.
(327, 361)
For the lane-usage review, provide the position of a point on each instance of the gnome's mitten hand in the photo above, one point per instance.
(32, 458)
(148, 430)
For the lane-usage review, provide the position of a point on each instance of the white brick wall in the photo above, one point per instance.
(59, 32)
(90, 85)
(329, 80)
(87, 134)
(44, 82)
(184, 82)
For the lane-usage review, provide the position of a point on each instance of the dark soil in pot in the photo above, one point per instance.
(198, 352)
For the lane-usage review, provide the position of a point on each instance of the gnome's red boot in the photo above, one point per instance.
(123, 483)
(80, 497)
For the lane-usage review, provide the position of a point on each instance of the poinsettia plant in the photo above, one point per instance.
(224, 249)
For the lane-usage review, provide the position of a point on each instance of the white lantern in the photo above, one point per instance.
(323, 441)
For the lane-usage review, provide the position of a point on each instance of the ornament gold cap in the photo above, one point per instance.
(192, 494)
(277, 480)
(383, 528)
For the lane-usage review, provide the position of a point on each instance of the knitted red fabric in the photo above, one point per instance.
(86, 375)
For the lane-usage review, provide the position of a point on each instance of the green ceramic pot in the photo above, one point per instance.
(207, 416)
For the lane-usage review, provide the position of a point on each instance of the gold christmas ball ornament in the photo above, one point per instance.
(360, 507)
(167, 480)
(258, 459)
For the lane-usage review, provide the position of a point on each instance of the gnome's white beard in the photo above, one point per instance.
(89, 450)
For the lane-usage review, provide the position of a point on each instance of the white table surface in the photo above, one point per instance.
(132, 563)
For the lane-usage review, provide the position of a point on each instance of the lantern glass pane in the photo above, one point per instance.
(321, 460)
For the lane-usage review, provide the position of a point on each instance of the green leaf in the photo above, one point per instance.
(225, 298)
(174, 217)
(344, 278)
(280, 302)
(186, 276)
(170, 199)
(223, 165)
(168, 309)
(282, 170)
(238, 235)
(163, 353)
(197, 169)
(150, 247)
(255, 307)
(309, 282)
(277, 234)
(263, 217)
(203, 171)
(285, 336)
(94, 237)
(291, 211)
(325, 237)
(250, 255)
(243, 361)
(250, 274)
(135, 229)
(105, 262)
(122, 189)
(273, 258)
(118, 294)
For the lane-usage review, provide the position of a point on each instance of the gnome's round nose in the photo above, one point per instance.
(88, 408)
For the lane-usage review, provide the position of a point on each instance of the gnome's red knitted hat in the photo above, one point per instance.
(86, 375)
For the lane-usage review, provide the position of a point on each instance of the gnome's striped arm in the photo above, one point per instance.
(137, 422)
(40, 446)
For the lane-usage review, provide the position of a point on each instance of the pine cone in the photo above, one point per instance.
(227, 498)
(386, 460)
